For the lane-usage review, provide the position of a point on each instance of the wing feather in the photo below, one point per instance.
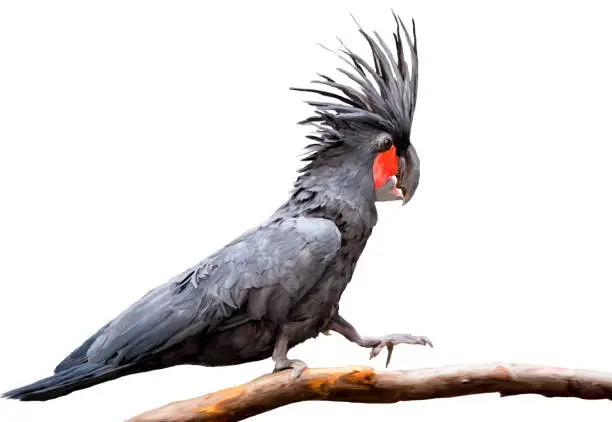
(264, 273)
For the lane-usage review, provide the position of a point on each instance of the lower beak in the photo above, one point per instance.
(408, 173)
(389, 191)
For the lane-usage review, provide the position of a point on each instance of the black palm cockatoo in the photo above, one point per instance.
(279, 284)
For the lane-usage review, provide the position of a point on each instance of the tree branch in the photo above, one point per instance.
(364, 385)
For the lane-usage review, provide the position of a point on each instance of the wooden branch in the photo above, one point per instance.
(364, 385)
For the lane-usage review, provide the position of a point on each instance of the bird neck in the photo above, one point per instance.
(341, 191)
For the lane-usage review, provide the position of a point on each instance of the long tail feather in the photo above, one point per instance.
(68, 381)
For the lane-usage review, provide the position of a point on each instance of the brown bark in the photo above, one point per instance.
(364, 385)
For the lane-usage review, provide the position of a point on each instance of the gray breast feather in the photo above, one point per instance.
(263, 274)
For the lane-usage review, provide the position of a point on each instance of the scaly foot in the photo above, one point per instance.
(297, 366)
(392, 340)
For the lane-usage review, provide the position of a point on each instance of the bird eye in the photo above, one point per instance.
(386, 144)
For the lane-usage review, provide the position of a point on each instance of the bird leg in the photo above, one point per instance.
(341, 326)
(279, 355)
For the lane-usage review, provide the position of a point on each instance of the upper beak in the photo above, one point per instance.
(408, 173)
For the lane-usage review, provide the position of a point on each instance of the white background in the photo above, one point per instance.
(138, 137)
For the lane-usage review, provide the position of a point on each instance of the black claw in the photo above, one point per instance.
(389, 352)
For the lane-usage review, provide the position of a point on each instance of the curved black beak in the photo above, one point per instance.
(408, 173)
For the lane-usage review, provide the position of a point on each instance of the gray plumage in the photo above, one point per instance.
(279, 283)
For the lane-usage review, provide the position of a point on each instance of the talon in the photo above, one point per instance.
(296, 366)
(389, 352)
(393, 340)
(298, 369)
(376, 350)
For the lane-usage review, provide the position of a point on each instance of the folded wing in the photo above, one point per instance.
(262, 274)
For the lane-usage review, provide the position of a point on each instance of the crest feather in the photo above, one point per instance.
(387, 104)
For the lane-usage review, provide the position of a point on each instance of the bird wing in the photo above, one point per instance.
(264, 272)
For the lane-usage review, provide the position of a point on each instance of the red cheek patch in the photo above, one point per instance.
(385, 166)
